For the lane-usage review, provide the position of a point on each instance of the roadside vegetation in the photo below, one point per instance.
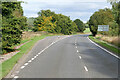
(9, 64)
(106, 16)
(109, 17)
(18, 29)
(14, 24)
(105, 45)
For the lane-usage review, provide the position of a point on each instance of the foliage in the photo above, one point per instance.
(116, 12)
(101, 17)
(30, 22)
(80, 25)
(13, 22)
(105, 45)
(54, 23)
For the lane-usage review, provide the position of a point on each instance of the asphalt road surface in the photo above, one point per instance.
(71, 57)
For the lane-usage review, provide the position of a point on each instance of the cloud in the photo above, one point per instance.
(81, 9)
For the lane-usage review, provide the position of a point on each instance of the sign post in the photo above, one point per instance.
(103, 28)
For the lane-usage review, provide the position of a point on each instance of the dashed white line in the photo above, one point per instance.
(29, 61)
(26, 64)
(40, 52)
(86, 69)
(32, 58)
(76, 46)
(22, 67)
(16, 77)
(77, 51)
(80, 57)
(37, 55)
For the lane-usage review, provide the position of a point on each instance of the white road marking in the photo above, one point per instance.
(85, 68)
(80, 57)
(76, 46)
(77, 51)
(32, 58)
(16, 77)
(22, 67)
(41, 52)
(29, 61)
(37, 55)
(26, 64)
(104, 49)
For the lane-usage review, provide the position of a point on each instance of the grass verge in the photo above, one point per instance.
(9, 64)
(87, 30)
(105, 45)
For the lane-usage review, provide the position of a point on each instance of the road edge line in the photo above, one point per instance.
(103, 48)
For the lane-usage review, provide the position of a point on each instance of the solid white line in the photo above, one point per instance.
(22, 67)
(77, 51)
(104, 49)
(80, 57)
(26, 64)
(85, 68)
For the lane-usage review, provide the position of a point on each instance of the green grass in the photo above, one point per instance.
(87, 30)
(9, 64)
(105, 45)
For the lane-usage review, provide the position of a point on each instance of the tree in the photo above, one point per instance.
(54, 23)
(80, 25)
(116, 12)
(101, 17)
(12, 24)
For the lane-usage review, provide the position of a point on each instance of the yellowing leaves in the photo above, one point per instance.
(46, 24)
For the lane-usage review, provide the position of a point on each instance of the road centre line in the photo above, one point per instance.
(86, 69)
(22, 67)
(77, 51)
(104, 49)
(26, 64)
(80, 57)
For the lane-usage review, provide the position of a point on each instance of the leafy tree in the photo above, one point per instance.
(116, 12)
(54, 23)
(80, 25)
(12, 24)
(101, 17)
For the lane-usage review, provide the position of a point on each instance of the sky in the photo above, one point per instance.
(76, 9)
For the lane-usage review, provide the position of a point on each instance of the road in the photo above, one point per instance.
(71, 57)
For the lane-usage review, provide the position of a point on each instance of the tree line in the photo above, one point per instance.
(14, 23)
(57, 23)
(106, 16)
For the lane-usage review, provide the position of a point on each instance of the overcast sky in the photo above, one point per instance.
(76, 9)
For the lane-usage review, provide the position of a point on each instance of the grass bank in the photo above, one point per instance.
(9, 64)
(87, 30)
(105, 45)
